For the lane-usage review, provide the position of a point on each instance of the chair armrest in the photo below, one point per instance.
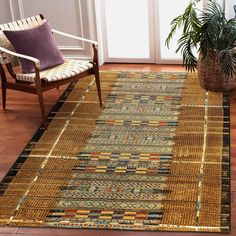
(74, 37)
(33, 59)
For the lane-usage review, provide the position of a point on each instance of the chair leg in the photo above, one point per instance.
(42, 108)
(4, 87)
(41, 103)
(97, 78)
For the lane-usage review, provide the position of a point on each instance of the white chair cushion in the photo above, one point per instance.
(69, 68)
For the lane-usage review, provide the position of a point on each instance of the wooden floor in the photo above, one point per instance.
(21, 120)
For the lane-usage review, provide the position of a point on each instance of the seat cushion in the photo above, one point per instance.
(36, 42)
(67, 69)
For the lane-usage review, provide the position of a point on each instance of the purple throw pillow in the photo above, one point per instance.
(37, 42)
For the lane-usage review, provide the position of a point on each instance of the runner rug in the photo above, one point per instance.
(155, 157)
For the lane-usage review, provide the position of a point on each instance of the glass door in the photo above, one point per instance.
(135, 30)
(128, 31)
(166, 11)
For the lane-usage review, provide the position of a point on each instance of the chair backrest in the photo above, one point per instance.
(27, 23)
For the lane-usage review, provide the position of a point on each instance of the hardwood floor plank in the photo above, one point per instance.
(8, 230)
(88, 232)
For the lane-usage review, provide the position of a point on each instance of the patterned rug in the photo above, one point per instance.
(155, 157)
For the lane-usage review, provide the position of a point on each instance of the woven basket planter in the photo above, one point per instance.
(211, 78)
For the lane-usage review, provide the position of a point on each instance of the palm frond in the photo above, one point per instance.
(228, 61)
(185, 47)
(174, 25)
(188, 20)
(211, 34)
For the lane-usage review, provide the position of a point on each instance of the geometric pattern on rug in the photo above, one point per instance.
(155, 157)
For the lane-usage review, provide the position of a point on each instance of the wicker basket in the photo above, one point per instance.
(211, 78)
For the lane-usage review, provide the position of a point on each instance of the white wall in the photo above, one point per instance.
(5, 13)
(71, 16)
(230, 9)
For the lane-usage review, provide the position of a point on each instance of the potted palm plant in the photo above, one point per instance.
(214, 37)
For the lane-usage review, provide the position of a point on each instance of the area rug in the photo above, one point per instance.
(155, 157)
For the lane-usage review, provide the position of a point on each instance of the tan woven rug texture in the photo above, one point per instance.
(155, 157)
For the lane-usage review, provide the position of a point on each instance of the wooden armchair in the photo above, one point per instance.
(41, 81)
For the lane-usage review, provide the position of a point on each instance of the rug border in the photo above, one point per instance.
(40, 130)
